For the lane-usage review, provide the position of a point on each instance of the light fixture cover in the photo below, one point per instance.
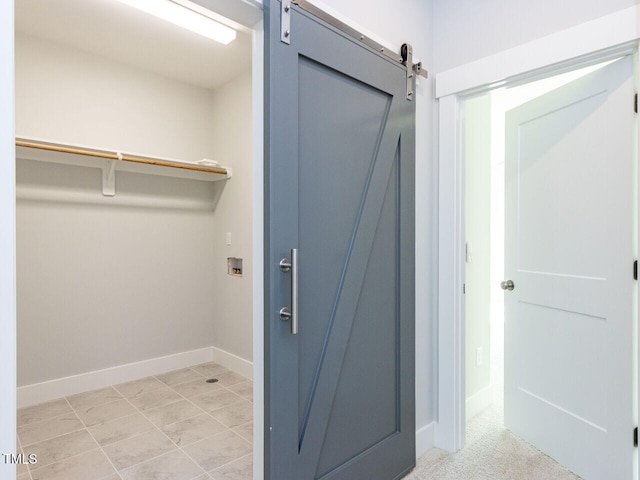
(185, 18)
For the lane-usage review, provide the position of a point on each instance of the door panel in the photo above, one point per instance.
(340, 134)
(331, 201)
(375, 329)
(569, 322)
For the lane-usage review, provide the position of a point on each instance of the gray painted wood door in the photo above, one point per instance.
(339, 173)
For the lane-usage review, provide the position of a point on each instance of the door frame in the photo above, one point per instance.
(7, 240)
(257, 178)
(593, 42)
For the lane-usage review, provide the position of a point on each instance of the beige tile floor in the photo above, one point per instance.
(173, 426)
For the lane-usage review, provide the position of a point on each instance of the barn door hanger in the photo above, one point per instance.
(285, 21)
(406, 52)
(413, 69)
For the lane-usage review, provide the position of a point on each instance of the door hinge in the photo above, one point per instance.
(635, 270)
(635, 437)
(285, 22)
(635, 103)
(464, 288)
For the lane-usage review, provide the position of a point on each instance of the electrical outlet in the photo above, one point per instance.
(228, 238)
(478, 356)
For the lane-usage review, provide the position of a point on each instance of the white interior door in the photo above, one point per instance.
(569, 250)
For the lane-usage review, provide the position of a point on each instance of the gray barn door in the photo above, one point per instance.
(339, 173)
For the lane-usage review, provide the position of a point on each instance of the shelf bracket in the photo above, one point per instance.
(109, 177)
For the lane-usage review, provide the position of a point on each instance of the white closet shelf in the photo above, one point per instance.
(110, 161)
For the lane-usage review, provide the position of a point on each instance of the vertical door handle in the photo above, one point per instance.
(285, 313)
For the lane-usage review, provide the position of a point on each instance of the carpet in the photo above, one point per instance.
(492, 453)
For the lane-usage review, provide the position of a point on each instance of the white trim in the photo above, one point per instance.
(587, 43)
(257, 87)
(7, 241)
(425, 439)
(233, 362)
(84, 382)
(449, 432)
(479, 401)
(606, 32)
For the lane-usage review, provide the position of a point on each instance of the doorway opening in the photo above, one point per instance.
(484, 140)
(136, 156)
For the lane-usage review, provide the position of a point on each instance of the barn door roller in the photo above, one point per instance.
(413, 69)
(406, 52)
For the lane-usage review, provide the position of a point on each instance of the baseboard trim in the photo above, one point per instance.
(425, 439)
(232, 362)
(479, 401)
(62, 387)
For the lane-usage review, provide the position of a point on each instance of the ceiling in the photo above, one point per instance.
(111, 29)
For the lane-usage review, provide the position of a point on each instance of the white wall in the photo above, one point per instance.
(477, 159)
(231, 135)
(466, 30)
(392, 24)
(7, 244)
(71, 96)
(101, 285)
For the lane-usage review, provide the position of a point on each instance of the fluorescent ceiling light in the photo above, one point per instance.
(185, 18)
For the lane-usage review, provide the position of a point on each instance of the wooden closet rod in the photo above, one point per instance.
(114, 156)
